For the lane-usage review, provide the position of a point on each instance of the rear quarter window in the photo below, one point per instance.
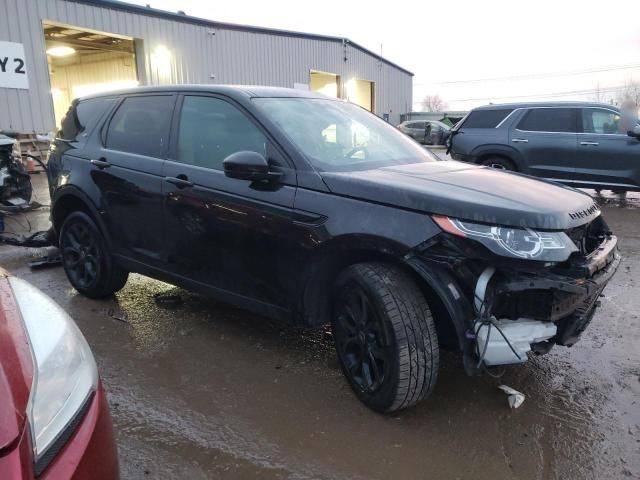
(485, 118)
(82, 117)
(141, 125)
(550, 120)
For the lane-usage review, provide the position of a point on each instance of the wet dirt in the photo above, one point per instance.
(199, 389)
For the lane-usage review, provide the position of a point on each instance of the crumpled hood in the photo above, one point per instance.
(469, 192)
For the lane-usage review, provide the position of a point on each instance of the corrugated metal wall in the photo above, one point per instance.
(199, 54)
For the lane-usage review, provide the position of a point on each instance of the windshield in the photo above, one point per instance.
(443, 126)
(339, 136)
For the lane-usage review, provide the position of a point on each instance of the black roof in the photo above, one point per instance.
(502, 106)
(229, 90)
(179, 17)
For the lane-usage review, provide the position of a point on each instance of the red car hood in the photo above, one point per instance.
(16, 369)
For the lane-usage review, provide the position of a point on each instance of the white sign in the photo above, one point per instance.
(13, 66)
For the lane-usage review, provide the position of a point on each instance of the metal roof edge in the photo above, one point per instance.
(156, 12)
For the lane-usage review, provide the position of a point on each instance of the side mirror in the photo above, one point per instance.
(635, 132)
(246, 165)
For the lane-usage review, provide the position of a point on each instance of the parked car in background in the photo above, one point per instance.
(427, 132)
(315, 211)
(579, 144)
(54, 417)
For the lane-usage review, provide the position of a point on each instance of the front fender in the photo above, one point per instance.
(455, 303)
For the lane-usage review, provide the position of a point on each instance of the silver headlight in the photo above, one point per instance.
(65, 373)
(513, 242)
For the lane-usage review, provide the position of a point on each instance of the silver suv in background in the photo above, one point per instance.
(426, 132)
(588, 145)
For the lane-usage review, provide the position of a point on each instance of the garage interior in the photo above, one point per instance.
(82, 62)
(360, 92)
(326, 83)
(355, 90)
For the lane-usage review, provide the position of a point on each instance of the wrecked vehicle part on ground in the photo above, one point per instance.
(15, 183)
(313, 210)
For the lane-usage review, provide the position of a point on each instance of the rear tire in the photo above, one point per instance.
(86, 258)
(385, 336)
(499, 163)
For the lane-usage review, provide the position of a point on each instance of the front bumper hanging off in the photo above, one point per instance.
(535, 307)
(566, 298)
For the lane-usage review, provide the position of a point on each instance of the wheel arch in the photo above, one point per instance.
(438, 287)
(313, 295)
(503, 151)
(445, 297)
(69, 200)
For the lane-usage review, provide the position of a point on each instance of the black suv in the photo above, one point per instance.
(587, 145)
(315, 211)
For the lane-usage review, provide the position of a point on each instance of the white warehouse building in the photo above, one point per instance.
(52, 51)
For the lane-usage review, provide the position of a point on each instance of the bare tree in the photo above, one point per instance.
(630, 93)
(433, 103)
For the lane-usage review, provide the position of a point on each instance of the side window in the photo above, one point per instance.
(596, 120)
(549, 120)
(82, 117)
(211, 129)
(141, 125)
(485, 118)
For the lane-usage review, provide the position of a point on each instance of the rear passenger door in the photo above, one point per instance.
(224, 233)
(417, 131)
(606, 155)
(127, 171)
(546, 139)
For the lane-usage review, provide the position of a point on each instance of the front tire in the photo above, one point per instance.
(86, 259)
(385, 336)
(499, 163)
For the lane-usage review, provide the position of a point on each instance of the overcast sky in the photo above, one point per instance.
(464, 49)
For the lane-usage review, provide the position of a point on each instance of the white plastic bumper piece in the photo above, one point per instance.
(521, 334)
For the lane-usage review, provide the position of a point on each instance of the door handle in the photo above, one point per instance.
(595, 144)
(102, 163)
(181, 181)
(520, 140)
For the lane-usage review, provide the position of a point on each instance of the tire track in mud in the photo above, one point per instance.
(172, 423)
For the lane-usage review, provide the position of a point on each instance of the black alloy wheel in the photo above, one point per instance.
(362, 343)
(82, 257)
(86, 259)
(385, 336)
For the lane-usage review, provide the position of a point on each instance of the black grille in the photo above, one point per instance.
(588, 237)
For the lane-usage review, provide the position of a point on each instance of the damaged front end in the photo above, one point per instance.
(510, 291)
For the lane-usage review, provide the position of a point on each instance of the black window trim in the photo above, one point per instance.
(172, 151)
(99, 121)
(527, 109)
(508, 116)
(461, 123)
(105, 126)
(581, 125)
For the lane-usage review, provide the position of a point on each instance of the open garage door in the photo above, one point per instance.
(325, 83)
(361, 92)
(82, 62)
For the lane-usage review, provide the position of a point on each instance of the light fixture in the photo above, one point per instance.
(61, 51)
